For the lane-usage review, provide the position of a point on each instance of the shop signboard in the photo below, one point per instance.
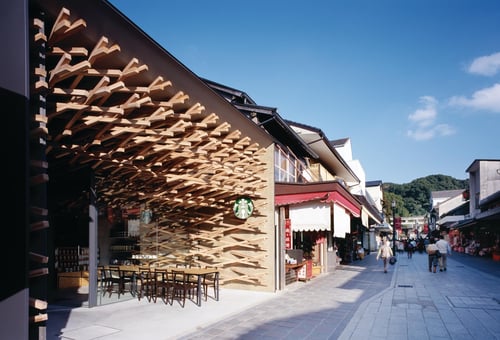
(288, 234)
(397, 223)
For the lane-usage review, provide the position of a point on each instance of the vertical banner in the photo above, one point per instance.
(397, 223)
(288, 234)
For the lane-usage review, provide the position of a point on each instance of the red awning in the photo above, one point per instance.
(299, 198)
(324, 196)
(344, 202)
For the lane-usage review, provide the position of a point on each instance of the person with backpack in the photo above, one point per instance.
(432, 253)
(411, 248)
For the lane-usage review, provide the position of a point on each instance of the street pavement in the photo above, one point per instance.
(356, 301)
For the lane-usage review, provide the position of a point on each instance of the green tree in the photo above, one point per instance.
(414, 198)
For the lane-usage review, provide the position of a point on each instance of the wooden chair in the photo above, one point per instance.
(113, 280)
(145, 283)
(128, 280)
(163, 285)
(182, 287)
(102, 282)
(210, 280)
(192, 278)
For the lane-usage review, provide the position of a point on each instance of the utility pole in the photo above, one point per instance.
(394, 227)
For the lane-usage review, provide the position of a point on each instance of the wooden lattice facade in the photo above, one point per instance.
(154, 135)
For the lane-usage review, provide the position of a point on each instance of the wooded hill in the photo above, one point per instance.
(413, 199)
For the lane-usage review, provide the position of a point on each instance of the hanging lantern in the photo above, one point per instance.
(146, 216)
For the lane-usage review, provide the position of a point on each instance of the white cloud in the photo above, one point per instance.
(485, 99)
(427, 115)
(422, 133)
(444, 130)
(424, 119)
(486, 66)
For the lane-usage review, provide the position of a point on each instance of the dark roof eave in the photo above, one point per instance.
(280, 122)
(490, 199)
(329, 145)
(229, 90)
(365, 203)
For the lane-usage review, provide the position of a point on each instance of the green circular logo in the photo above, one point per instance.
(243, 208)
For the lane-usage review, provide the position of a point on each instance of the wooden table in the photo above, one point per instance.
(200, 273)
(127, 273)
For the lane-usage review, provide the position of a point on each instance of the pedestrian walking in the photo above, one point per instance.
(412, 245)
(431, 251)
(401, 247)
(385, 253)
(445, 250)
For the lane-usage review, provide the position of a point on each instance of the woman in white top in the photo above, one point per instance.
(384, 252)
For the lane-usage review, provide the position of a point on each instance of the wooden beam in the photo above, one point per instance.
(63, 26)
(39, 179)
(39, 164)
(74, 51)
(102, 49)
(38, 272)
(64, 69)
(132, 68)
(39, 225)
(39, 211)
(38, 304)
(38, 258)
(38, 318)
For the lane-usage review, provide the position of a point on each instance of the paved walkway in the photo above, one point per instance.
(356, 301)
(460, 303)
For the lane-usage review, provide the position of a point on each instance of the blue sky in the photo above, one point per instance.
(414, 84)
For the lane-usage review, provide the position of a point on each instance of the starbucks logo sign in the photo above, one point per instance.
(243, 208)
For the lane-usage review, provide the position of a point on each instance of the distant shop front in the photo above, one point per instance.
(316, 221)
